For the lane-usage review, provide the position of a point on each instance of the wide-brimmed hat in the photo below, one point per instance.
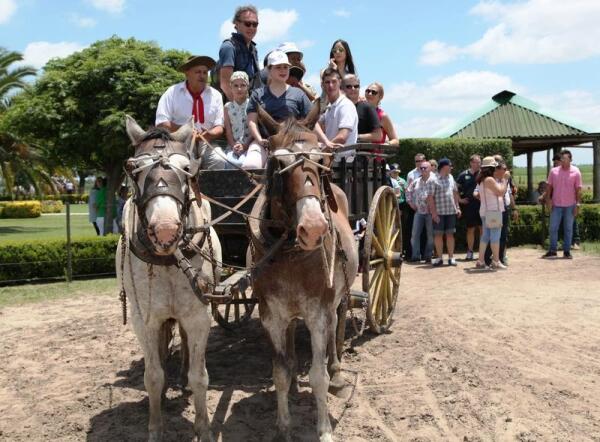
(489, 162)
(277, 57)
(198, 60)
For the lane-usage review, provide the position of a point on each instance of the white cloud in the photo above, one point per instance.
(462, 92)
(305, 44)
(112, 6)
(533, 31)
(342, 13)
(38, 53)
(7, 9)
(577, 106)
(82, 22)
(274, 25)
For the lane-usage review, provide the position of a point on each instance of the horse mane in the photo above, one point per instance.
(291, 132)
(157, 133)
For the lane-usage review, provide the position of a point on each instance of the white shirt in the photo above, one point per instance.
(341, 114)
(176, 104)
(413, 175)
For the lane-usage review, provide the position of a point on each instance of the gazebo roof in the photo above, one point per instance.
(531, 128)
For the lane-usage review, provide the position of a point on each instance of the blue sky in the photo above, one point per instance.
(438, 60)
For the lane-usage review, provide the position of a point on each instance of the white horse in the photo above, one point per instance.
(155, 221)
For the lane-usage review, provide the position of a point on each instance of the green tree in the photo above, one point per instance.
(76, 109)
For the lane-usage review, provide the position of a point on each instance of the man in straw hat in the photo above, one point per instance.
(194, 97)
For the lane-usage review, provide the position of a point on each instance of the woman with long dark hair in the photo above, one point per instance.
(340, 58)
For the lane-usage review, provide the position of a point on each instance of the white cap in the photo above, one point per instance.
(277, 57)
(288, 47)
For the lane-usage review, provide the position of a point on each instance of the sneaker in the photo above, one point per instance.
(469, 256)
(452, 262)
(549, 254)
(575, 247)
(567, 255)
(498, 266)
(504, 261)
(437, 262)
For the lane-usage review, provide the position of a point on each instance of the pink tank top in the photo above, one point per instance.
(383, 132)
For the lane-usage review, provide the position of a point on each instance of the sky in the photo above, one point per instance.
(438, 60)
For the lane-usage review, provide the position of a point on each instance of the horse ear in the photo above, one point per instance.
(134, 131)
(266, 120)
(313, 116)
(184, 132)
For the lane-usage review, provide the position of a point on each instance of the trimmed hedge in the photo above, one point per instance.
(49, 206)
(20, 209)
(458, 150)
(73, 198)
(27, 260)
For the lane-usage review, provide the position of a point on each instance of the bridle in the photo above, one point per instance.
(162, 178)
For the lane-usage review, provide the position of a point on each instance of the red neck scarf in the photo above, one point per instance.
(197, 106)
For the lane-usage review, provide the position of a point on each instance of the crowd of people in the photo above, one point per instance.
(483, 196)
(222, 97)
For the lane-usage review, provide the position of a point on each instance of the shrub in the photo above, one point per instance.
(458, 150)
(21, 209)
(49, 206)
(73, 198)
(27, 260)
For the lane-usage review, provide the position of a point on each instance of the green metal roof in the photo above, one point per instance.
(508, 115)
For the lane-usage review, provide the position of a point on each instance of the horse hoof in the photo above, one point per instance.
(336, 383)
(326, 437)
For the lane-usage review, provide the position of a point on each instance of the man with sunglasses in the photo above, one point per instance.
(369, 127)
(239, 53)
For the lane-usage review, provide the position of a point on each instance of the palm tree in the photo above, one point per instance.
(14, 154)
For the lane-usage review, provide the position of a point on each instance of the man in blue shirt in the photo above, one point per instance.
(238, 53)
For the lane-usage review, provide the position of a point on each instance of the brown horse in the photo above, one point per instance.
(309, 275)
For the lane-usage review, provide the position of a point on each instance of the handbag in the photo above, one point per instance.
(493, 218)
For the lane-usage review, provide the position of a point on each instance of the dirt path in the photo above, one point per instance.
(472, 356)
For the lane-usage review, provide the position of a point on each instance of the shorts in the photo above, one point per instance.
(471, 216)
(447, 224)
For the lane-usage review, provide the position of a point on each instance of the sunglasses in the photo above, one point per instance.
(371, 92)
(250, 24)
(340, 50)
(423, 168)
(353, 86)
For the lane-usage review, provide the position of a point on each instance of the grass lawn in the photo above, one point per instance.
(47, 226)
(24, 294)
(539, 174)
(593, 248)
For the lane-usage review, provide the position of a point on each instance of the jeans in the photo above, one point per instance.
(564, 214)
(421, 220)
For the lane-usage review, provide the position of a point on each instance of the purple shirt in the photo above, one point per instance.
(564, 185)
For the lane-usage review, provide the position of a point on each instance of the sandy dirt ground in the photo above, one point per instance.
(471, 356)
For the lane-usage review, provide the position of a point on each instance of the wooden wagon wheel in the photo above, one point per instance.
(382, 258)
(235, 314)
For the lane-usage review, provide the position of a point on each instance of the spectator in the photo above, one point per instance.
(237, 131)
(434, 166)
(92, 201)
(339, 123)
(279, 100)
(340, 58)
(467, 181)
(121, 199)
(195, 98)
(413, 175)
(443, 205)
(69, 187)
(297, 70)
(539, 193)
(397, 183)
(374, 95)
(101, 205)
(369, 128)
(564, 198)
(422, 188)
(238, 53)
(492, 186)
(416, 172)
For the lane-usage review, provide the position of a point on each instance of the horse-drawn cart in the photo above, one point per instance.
(361, 173)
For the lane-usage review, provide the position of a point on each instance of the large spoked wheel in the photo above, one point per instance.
(236, 313)
(382, 259)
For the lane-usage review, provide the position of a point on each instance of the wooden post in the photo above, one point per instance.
(530, 176)
(548, 161)
(596, 171)
(69, 275)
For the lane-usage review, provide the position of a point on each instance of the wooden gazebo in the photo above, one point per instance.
(531, 129)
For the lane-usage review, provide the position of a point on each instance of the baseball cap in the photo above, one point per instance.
(444, 162)
(288, 47)
(277, 57)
